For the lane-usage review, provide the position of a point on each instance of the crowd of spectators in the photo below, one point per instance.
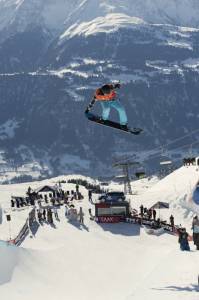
(150, 215)
(21, 202)
(34, 198)
(189, 161)
(46, 215)
(47, 211)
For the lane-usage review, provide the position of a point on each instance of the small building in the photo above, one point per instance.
(112, 212)
(197, 161)
(47, 192)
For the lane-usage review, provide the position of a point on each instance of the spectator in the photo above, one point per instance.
(141, 210)
(195, 227)
(154, 214)
(17, 203)
(39, 215)
(66, 210)
(91, 215)
(66, 199)
(183, 240)
(81, 216)
(145, 210)
(49, 216)
(90, 196)
(29, 190)
(28, 200)
(32, 201)
(72, 213)
(77, 188)
(172, 221)
(12, 203)
(46, 199)
(150, 214)
(21, 202)
(158, 223)
(55, 213)
(53, 201)
(44, 214)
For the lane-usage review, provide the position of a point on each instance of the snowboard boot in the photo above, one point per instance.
(124, 127)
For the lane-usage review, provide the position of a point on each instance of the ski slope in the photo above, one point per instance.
(177, 189)
(104, 261)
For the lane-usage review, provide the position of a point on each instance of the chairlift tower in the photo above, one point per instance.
(125, 167)
(166, 167)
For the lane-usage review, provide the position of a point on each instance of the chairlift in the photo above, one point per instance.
(120, 177)
(166, 163)
(140, 175)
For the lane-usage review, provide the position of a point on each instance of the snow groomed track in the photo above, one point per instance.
(104, 261)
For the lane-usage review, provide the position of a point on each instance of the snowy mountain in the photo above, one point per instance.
(55, 53)
(54, 14)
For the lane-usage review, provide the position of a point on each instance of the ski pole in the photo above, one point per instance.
(91, 104)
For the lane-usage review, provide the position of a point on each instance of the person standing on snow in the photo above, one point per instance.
(195, 227)
(150, 214)
(49, 216)
(81, 216)
(183, 240)
(44, 214)
(90, 196)
(141, 210)
(154, 214)
(107, 97)
(55, 213)
(172, 222)
(77, 188)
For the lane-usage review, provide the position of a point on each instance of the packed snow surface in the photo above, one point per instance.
(103, 261)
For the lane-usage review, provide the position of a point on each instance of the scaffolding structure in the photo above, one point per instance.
(125, 167)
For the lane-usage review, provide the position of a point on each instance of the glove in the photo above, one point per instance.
(117, 86)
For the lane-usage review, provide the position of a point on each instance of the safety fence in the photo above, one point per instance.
(25, 229)
(153, 224)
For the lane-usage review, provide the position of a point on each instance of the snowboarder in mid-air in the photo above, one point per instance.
(107, 97)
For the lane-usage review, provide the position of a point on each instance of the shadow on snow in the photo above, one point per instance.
(191, 288)
(121, 228)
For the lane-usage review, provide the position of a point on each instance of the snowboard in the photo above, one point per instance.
(98, 120)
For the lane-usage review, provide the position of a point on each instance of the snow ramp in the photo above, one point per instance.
(9, 256)
(177, 189)
(1, 215)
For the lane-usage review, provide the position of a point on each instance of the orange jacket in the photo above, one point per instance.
(105, 97)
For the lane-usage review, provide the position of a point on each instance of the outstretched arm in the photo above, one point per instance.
(117, 85)
(91, 104)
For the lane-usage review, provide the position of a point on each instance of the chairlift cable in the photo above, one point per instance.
(160, 149)
(164, 146)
